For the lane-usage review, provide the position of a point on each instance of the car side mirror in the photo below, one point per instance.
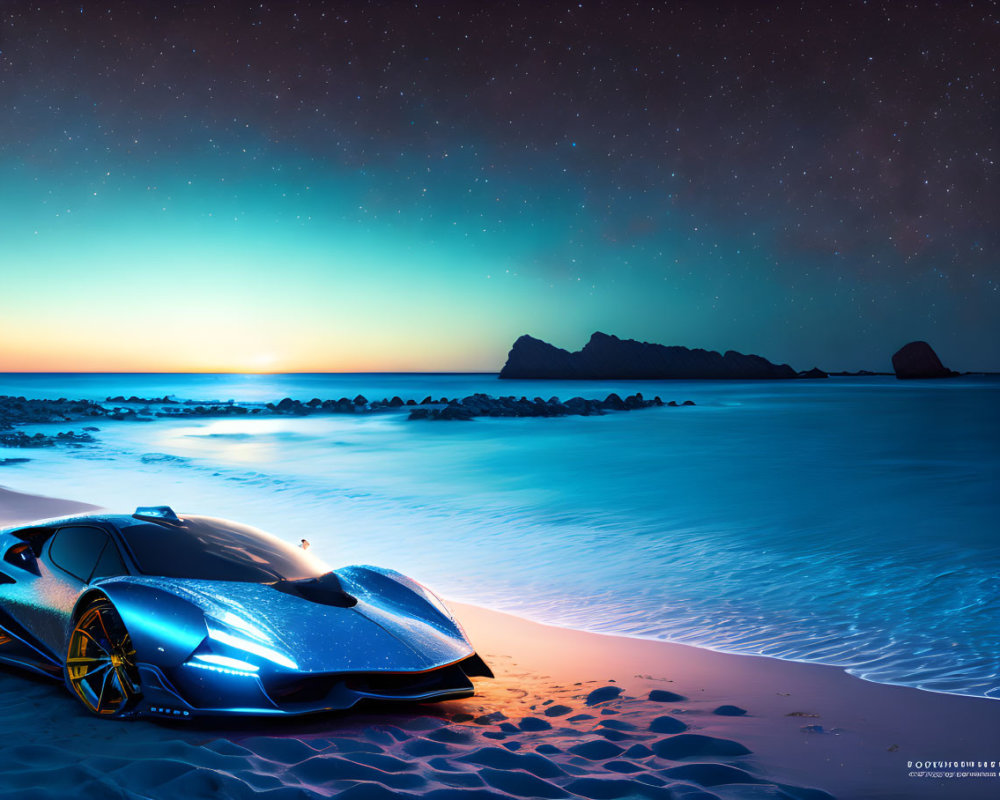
(22, 556)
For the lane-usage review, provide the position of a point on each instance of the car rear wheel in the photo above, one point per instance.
(100, 664)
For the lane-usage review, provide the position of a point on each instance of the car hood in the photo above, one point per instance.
(394, 631)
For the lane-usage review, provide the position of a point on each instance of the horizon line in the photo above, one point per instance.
(248, 372)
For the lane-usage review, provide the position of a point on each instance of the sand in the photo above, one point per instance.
(570, 714)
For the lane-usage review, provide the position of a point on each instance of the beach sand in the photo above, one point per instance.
(570, 714)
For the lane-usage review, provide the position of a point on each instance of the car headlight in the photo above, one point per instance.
(231, 620)
(236, 637)
(230, 666)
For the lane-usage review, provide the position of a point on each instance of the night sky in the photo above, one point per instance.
(409, 186)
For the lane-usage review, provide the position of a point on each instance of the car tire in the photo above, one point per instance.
(100, 666)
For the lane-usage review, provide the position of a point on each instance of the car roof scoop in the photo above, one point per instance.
(162, 513)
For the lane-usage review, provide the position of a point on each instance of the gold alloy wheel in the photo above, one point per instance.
(100, 665)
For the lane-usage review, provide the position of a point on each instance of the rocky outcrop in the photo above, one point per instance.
(21, 410)
(22, 439)
(145, 401)
(482, 405)
(815, 372)
(16, 411)
(608, 357)
(918, 360)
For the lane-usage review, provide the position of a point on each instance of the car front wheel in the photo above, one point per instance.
(100, 664)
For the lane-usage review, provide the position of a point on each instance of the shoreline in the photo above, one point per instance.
(806, 725)
(868, 730)
(471, 604)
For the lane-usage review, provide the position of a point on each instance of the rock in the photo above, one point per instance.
(21, 439)
(608, 357)
(815, 372)
(918, 360)
(614, 402)
(453, 412)
(482, 405)
(533, 358)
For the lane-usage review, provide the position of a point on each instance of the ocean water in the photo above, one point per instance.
(851, 521)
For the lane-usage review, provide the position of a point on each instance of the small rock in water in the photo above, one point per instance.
(730, 711)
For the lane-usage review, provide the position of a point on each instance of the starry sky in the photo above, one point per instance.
(388, 186)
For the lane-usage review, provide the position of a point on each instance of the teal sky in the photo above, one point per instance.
(214, 189)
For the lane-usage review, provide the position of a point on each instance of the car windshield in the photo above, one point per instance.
(211, 549)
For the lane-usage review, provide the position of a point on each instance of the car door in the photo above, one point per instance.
(70, 559)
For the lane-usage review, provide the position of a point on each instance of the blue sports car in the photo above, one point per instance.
(160, 615)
